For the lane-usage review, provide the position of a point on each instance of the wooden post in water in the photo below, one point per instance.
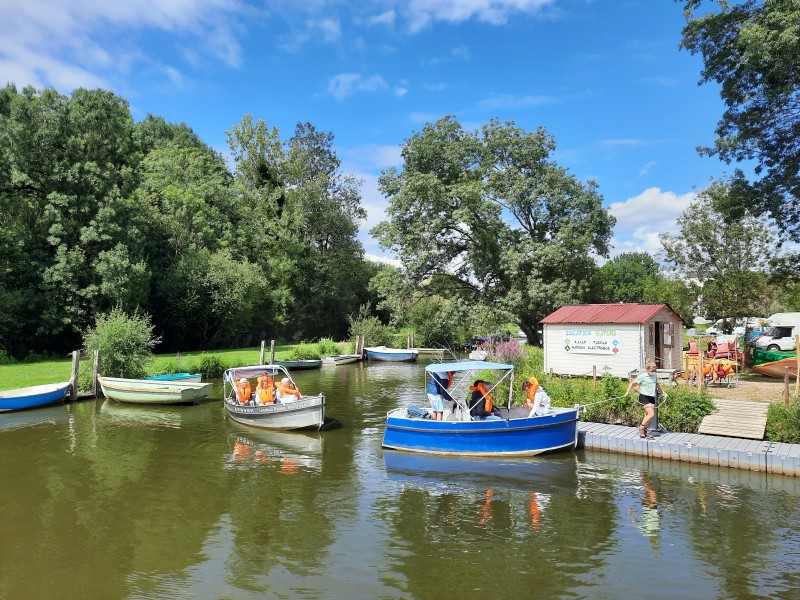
(786, 386)
(261, 354)
(95, 370)
(594, 377)
(272, 352)
(73, 378)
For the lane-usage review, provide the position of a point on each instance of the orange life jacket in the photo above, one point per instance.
(284, 390)
(264, 390)
(243, 392)
(487, 397)
(449, 379)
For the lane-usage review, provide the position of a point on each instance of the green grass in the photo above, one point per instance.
(24, 374)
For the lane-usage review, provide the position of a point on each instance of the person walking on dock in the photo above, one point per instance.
(646, 384)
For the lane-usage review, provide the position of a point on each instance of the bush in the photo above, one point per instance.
(327, 347)
(783, 423)
(684, 409)
(304, 352)
(6, 358)
(210, 365)
(125, 342)
(373, 331)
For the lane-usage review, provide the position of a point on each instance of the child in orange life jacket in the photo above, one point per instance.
(243, 391)
(265, 392)
(537, 402)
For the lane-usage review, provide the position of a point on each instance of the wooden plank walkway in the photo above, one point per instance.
(737, 418)
(737, 453)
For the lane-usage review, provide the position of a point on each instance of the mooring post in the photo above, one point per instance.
(786, 396)
(272, 352)
(95, 369)
(261, 354)
(594, 377)
(797, 367)
(73, 378)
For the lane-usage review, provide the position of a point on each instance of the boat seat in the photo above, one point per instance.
(415, 412)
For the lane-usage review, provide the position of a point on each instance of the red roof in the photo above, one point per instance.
(607, 313)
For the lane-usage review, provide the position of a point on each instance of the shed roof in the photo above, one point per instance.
(607, 313)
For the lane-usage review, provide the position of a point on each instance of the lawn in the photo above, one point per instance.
(24, 374)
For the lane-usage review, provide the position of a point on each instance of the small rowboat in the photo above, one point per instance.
(184, 377)
(147, 391)
(296, 365)
(382, 353)
(341, 359)
(777, 368)
(34, 396)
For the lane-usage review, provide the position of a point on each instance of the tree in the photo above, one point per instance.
(752, 49)
(489, 216)
(725, 258)
(622, 278)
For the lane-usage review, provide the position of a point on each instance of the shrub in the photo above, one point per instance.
(327, 347)
(210, 365)
(374, 332)
(304, 352)
(684, 409)
(6, 358)
(509, 352)
(125, 342)
(783, 423)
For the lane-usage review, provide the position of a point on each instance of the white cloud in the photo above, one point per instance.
(510, 101)
(385, 18)
(646, 168)
(421, 13)
(622, 142)
(424, 117)
(330, 29)
(83, 42)
(370, 156)
(345, 84)
(400, 91)
(641, 219)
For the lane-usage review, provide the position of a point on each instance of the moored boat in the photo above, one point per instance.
(382, 353)
(512, 431)
(297, 365)
(147, 391)
(778, 368)
(306, 412)
(341, 359)
(184, 377)
(33, 396)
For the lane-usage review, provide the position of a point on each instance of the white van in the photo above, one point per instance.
(782, 327)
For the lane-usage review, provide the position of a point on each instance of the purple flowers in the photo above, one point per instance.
(509, 352)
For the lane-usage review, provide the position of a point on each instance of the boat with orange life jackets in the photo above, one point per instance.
(273, 403)
(477, 423)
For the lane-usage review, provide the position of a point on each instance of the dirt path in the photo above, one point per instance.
(761, 389)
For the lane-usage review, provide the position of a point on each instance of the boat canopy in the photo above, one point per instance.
(467, 365)
(253, 372)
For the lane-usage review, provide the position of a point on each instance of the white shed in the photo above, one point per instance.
(613, 338)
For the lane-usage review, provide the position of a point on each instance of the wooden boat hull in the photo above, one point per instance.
(33, 396)
(297, 365)
(778, 368)
(184, 377)
(341, 359)
(145, 391)
(306, 413)
(527, 436)
(383, 354)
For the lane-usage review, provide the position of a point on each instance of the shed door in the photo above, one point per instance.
(657, 344)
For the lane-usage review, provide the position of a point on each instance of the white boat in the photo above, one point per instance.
(340, 359)
(382, 353)
(308, 412)
(149, 391)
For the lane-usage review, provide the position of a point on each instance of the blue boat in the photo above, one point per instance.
(184, 377)
(511, 432)
(34, 396)
(382, 353)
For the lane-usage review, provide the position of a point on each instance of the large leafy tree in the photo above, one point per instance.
(491, 217)
(622, 278)
(728, 259)
(752, 49)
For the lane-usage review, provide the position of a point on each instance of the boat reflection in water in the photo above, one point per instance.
(153, 416)
(487, 491)
(289, 453)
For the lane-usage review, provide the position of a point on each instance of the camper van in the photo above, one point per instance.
(781, 329)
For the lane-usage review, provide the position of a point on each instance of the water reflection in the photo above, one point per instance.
(289, 453)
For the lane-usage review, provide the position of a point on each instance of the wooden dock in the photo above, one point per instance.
(737, 418)
(716, 451)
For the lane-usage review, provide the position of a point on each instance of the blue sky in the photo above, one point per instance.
(605, 77)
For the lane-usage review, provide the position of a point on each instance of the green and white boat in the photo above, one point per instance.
(149, 391)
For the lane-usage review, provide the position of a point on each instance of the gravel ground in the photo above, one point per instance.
(752, 388)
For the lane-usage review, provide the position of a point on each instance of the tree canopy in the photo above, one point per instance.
(752, 49)
(490, 217)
